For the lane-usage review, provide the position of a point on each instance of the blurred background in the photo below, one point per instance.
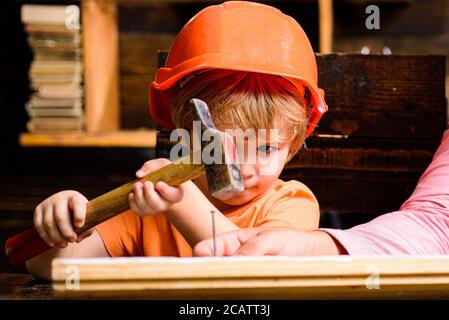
(74, 99)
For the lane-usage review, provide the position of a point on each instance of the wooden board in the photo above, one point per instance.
(253, 277)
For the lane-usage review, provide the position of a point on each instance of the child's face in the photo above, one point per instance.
(259, 176)
(261, 168)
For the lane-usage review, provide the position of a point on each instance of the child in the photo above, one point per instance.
(255, 68)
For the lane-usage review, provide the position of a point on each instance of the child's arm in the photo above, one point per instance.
(193, 218)
(185, 206)
(52, 219)
(40, 266)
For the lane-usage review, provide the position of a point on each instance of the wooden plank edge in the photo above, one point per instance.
(245, 267)
(268, 277)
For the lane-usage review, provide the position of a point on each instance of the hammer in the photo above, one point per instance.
(223, 176)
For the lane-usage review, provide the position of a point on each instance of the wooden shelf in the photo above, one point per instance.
(106, 139)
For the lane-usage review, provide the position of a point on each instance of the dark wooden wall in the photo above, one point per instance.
(406, 27)
(393, 111)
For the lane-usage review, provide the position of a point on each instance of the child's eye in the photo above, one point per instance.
(266, 149)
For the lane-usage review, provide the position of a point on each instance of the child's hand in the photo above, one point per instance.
(149, 198)
(53, 218)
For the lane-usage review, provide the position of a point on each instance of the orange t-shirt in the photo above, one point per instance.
(284, 204)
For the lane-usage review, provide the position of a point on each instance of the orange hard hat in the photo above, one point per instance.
(241, 36)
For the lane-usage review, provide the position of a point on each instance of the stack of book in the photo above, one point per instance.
(54, 35)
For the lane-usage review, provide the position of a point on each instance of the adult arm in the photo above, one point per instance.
(421, 226)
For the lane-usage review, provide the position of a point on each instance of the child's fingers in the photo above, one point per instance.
(169, 193)
(146, 200)
(152, 165)
(50, 226)
(152, 198)
(132, 203)
(140, 199)
(78, 206)
(61, 214)
(38, 223)
(144, 170)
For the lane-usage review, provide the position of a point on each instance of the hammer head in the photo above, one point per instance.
(218, 155)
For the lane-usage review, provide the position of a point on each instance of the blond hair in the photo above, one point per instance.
(246, 100)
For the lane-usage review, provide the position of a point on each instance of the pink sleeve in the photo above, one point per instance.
(421, 226)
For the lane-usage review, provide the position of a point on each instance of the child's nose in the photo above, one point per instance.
(247, 170)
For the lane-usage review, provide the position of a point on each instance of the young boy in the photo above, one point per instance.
(255, 68)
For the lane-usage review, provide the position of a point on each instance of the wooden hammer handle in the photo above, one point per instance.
(28, 244)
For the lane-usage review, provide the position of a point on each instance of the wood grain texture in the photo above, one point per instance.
(353, 197)
(24, 287)
(254, 278)
(365, 154)
(404, 28)
(383, 96)
(139, 51)
(138, 64)
(405, 44)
